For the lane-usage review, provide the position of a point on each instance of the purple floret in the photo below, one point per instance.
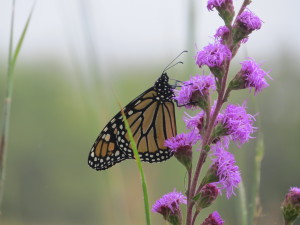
(169, 202)
(227, 172)
(213, 55)
(254, 76)
(249, 20)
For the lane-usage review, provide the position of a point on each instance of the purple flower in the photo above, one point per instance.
(181, 145)
(222, 32)
(213, 55)
(195, 91)
(194, 122)
(182, 141)
(254, 76)
(170, 201)
(168, 206)
(238, 124)
(213, 219)
(222, 143)
(227, 172)
(197, 121)
(211, 4)
(249, 20)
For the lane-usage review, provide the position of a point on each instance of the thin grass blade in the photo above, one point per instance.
(140, 168)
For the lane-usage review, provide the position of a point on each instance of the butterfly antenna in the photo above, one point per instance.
(170, 64)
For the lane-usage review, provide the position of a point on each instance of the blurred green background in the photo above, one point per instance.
(74, 62)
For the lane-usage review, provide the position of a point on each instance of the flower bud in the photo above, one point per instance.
(206, 196)
(291, 205)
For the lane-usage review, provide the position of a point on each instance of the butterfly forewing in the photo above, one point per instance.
(151, 117)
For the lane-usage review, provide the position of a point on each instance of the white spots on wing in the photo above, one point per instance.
(107, 137)
(121, 127)
(130, 112)
(92, 154)
(138, 102)
(117, 153)
(113, 120)
(114, 125)
(105, 129)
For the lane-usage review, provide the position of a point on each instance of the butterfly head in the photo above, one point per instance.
(163, 88)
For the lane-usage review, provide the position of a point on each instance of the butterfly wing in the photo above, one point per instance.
(151, 120)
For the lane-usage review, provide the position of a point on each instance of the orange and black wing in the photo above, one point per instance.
(151, 117)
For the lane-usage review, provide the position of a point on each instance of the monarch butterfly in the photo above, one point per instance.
(151, 117)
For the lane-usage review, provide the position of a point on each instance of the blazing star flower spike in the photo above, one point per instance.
(213, 219)
(291, 205)
(214, 56)
(238, 123)
(182, 145)
(168, 206)
(195, 92)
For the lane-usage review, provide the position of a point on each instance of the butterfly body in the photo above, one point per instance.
(151, 117)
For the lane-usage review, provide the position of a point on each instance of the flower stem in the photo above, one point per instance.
(205, 142)
(195, 217)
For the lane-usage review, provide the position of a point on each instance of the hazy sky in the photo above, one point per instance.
(124, 31)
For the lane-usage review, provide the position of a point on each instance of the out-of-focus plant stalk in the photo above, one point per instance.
(243, 204)
(12, 58)
(256, 209)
